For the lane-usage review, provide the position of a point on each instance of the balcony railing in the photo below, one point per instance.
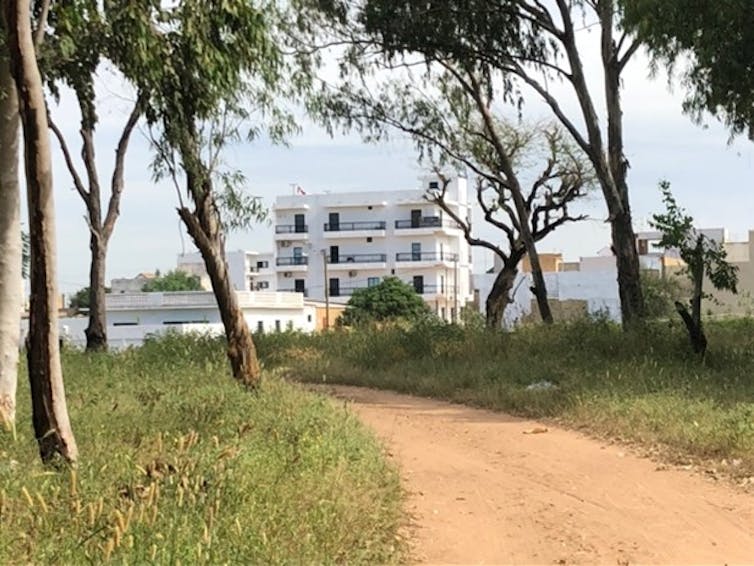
(426, 256)
(295, 260)
(358, 258)
(434, 289)
(291, 229)
(352, 226)
(304, 291)
(426, 222)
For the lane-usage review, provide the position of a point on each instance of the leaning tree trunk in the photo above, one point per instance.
(204, 228)
(693, 320)
(49, 412)
(499, 296)
(11, 284)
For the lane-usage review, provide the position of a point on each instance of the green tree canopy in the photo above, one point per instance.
(392, 299)
(175, 280)
(713, 43)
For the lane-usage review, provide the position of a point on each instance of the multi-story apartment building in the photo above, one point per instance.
(340, 242)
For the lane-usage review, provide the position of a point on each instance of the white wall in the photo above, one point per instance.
(598, 288)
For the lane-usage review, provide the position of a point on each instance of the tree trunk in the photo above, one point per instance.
(241, 350)
(11, 283)
(500, 295)
(693, 321)
(629, 273)
(96, 333)
(49, 412)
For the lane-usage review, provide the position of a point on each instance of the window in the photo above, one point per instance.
(370, 207)
(334, 221)
(277, 326)
(434, 186)
(369, 240)
(416, 251)
(299, 285)
(299, 223)
(263, 264)
(442, 313)
(442, 283)
(419, 284)
(308, 318)
(260, 326)
(334, 287)
(263, 285)
(373, 281)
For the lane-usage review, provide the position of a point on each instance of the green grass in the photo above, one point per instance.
(643, 386)
(178, 464)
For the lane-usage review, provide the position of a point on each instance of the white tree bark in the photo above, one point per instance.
(11, 285)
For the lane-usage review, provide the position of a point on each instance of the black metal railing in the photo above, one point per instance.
(295, 260)
(426, 256)
(358, 258)
(304, 291)
(291, 229)
(426, 222)
(351, 226)
(435, 289)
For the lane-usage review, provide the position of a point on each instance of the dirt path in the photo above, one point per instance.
(483, 490)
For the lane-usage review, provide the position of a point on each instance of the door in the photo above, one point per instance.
(416, 251)
(298, 256)
(334, 221)
(335, 287)
(299, 285)
(419, 284)
(299, 224)
(334, 254)
(416, 218)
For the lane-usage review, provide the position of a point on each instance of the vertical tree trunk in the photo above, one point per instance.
(96, 334)
(205, 232)
(11, 284)
(500, 295)
(629, 273)
(50, 415)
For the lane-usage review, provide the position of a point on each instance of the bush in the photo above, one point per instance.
(391, 300)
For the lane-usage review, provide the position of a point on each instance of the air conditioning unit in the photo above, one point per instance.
(284, 243)
(287, 274)
(352, 273)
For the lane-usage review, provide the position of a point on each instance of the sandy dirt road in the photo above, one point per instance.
(483, 489)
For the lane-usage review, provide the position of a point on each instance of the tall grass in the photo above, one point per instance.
(643, 385)
(181, 465)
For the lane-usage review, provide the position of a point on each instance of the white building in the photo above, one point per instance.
(348, 241)
(248, 271)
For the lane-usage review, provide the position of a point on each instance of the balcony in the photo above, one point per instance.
(304, 292)
(425, 259)
(294, 263)
(446, 290)
(292, 232)
(373, 229)
(357, 261)
(427, 225)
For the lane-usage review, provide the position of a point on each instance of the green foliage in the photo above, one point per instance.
(390, 300)
(660, 294)
(180, 464)
(702, 255)
(80, 299)
(175, 280)
(713, 43)
(640, 385)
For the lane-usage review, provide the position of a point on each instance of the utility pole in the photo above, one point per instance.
(455, 289)
(327, 292)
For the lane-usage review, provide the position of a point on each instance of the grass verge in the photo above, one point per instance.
(643, 386)
(181, 465)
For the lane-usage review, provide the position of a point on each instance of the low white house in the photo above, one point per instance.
(133, 316)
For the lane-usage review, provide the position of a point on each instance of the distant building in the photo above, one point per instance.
(342, 242)
(248, 271)
(132, 284)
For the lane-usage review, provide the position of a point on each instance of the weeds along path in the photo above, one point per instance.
(486, 488)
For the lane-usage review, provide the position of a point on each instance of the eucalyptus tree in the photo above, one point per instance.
(11, 290)
(711, 47)
(76, 46)
(516, 49)
(204, 70)
(49, 412)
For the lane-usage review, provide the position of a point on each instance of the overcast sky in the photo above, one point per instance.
(710, 177)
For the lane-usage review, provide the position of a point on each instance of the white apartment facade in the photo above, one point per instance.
(340, 242)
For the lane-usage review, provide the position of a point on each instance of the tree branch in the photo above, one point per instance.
(77, 182)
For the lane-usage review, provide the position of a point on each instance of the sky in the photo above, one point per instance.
(711, 176)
